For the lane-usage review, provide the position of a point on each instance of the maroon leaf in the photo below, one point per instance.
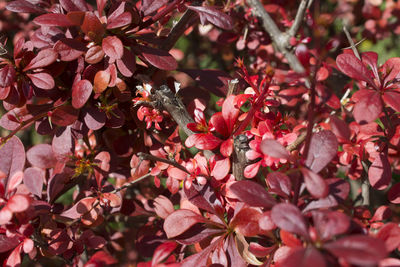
(213, 16)
(392, 69)
(394, 194)
(41, 156)
(303, 257)
(158, 58)
(92, 27)
(273, 149)
(34, 179)
(8, 243)
(42, 80)
(69, 49)
(81, 92)
(323, 148)
(101, 258)
(379, 173)
(24, 7)
(127, 64)
(112, 47)
(252, 194)
(94, 118)
(322, 203)
(102, 161)
(62, 143)
(7, 75)
(15, 156)
(289, 218)
(119, 18)
(64, 115)
(43, 59)
(74, 5)
(339, 128)
(330, 223)
(350, 65)
(358, 249)
(315, 184)
(215, 81)
(279, 183)
(53, 19)
(204, 197)
(392, 98)
(368, 105)
(179, 221)
(149, 6)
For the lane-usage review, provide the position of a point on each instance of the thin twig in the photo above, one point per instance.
(180, 27)
(299, 18)
(145, 156)
(280, 39)
(116, 190)
(300, 139)
(352, 45)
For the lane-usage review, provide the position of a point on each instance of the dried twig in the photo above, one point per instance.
(299, 17)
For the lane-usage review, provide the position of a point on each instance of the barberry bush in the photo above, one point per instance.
(200, 133)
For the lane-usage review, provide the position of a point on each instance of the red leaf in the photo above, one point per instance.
(394, 194)
(149, 6)
(289, 218)
(230, 113)
(368, 106)
(14, 181)
(358, 249)
(74, 5)
(162, 252)
(323, 148)
(391, 66)
(112, 47)
(22, 6)
(350, 65)
(303, 257)
(379, 173)
(14, 259)
(34, 179)
(15, 159)
(53, 19)
(158, 58)
(41, 156)
(273, 149)
(392, 98)
(94, 55)
(7, 75)
(18, 203)
(279, 183)
(221, 168)
(252, 194)
(246, 220)
(213, 16)
(64, 115)
(203, 141)
(81, 92)
(390, 234)
(330, 223)
(315, 184)
(43, 59)
(42, 80)
(101, 257)
(179, 221)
